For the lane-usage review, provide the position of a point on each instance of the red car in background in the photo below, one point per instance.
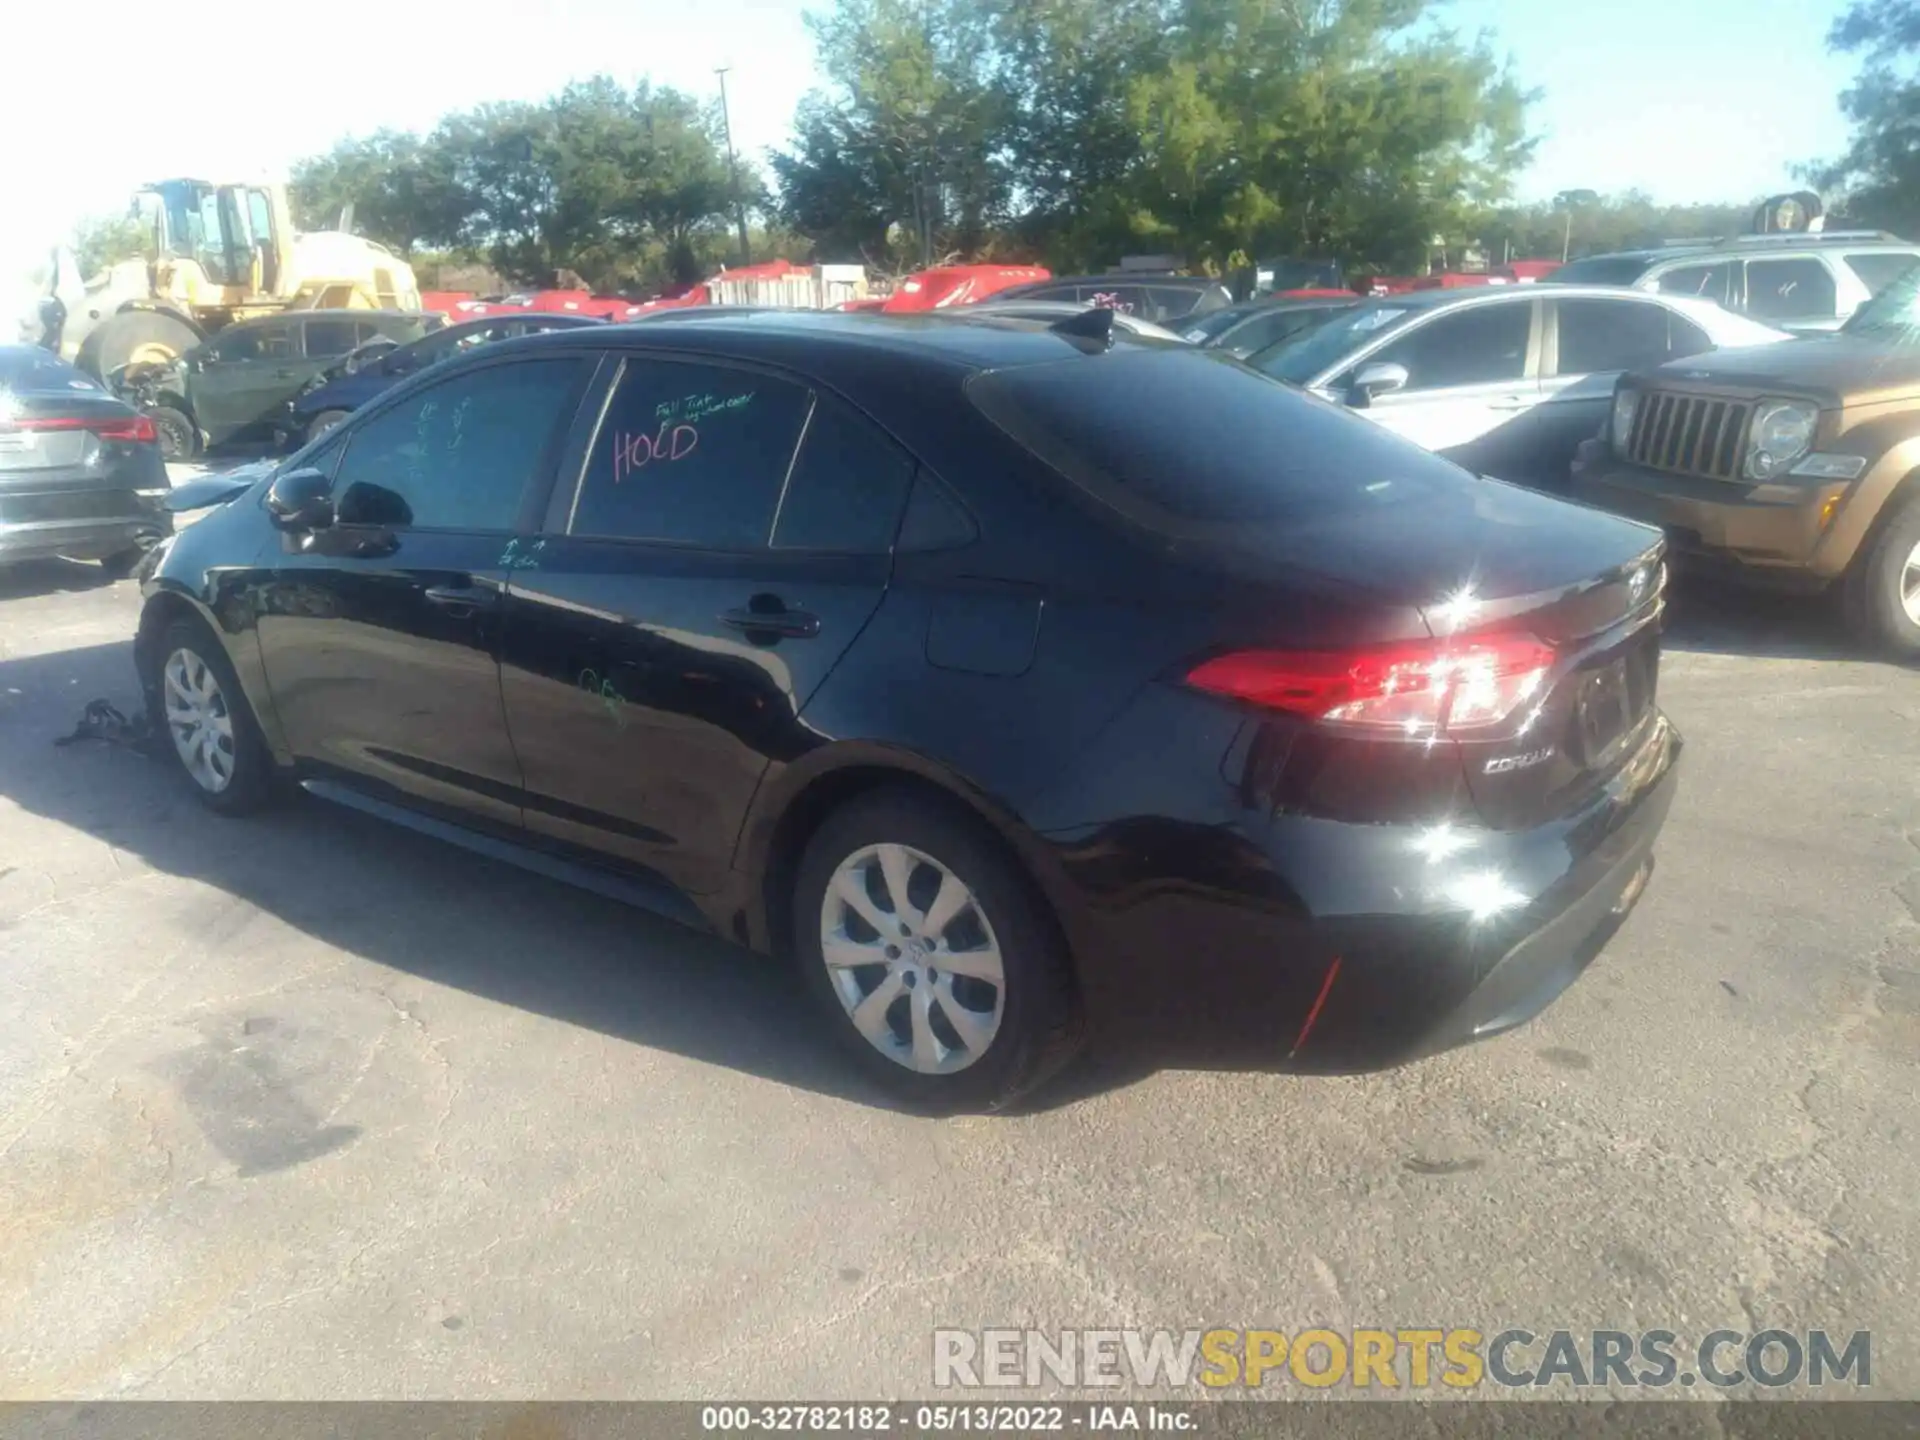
(946, 285)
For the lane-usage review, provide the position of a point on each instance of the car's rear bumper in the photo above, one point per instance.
(1768, 534)
(1318, 946)
(81, 523)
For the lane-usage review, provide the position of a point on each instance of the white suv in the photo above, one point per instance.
(1797, 282)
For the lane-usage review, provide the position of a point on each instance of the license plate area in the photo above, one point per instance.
(1609, 702)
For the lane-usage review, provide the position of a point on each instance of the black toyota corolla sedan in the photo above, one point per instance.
(1022, 685)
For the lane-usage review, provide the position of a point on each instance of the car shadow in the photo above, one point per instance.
(421, 906)
(26, 579)
(1709, 619)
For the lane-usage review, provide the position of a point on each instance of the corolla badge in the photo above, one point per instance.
(1507, 764)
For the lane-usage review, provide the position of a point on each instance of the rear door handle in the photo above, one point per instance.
(460, 600)
(796, 624)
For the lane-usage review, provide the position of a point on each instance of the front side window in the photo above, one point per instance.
(257, 342)
(1597, 336)
(690, 455)
(1800, 289)
(1479, 345)
(458, 455)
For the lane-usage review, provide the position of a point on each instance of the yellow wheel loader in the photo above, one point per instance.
(216, 253)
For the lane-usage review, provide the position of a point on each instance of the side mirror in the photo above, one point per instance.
(301, 500)
(1374, 381)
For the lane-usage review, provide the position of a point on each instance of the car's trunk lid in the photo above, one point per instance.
(45, 439)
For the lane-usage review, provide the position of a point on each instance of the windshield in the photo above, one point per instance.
(1601, 270)
(1893, 314)
(1215, 322)
(1324, 346)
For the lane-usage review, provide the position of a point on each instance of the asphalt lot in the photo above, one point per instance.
(308, 1107)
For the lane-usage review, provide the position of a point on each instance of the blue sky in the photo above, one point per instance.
(1706, 99)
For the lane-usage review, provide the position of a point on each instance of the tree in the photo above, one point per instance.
(1880, 171)
(107, 240)
(402, 190)
(909, 134)
(620, 187)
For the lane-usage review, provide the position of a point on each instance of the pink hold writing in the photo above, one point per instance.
(639, 450)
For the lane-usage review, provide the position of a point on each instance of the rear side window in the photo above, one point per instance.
(847, 487)
(690, 455)
(458, 455)
(1191, 436)
(328, 338)
(1880, 268)
(1709, 282)
(1790, 290)
(1604, 335)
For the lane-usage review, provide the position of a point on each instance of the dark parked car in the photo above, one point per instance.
(1161, 299)
(371, 370)
(1021, 684)
(80, 472)
(1255, 325)
(239, 382)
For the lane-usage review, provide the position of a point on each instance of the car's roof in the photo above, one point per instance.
(1758, 246)
(993, 308)
(552, 318)
(805, 338)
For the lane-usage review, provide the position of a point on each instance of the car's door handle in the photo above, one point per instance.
(460, 599)
(1511, 402)
(797, 624)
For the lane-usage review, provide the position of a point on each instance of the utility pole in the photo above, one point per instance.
(733, 169)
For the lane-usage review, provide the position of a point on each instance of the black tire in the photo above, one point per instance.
(1874, 584)
(251, 784)
(115, 340)
(1040, 1027)
(323, 422)
(179, 436)
(120, 565)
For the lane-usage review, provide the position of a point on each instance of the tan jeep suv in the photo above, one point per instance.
(1795, 465)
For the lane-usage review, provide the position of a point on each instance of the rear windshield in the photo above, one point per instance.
(26, 370)
(1893, 315)
(1194, 437)
(1601, 270)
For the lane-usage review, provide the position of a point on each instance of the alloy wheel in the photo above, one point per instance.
(198, 720)
(913, 959)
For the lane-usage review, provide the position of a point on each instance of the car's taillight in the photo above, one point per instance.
(1463, 683)
(138, 429)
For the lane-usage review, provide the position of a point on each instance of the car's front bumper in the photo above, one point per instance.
(1773, 534)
